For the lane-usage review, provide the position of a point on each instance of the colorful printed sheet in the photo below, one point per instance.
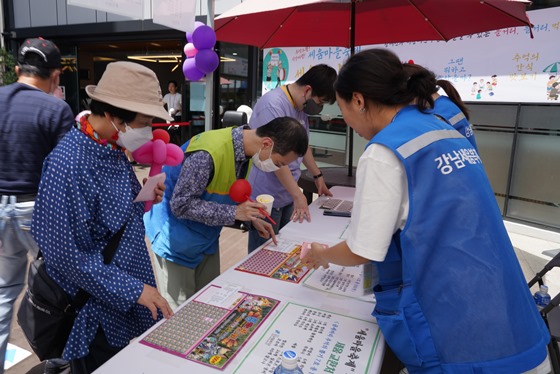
(279, 262)
(212, 328)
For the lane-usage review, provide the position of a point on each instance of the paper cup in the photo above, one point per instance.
(267, 200)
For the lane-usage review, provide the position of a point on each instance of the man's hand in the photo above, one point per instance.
(301, 209)
(322, 189)
(264, 229)
(152, 300)
(249, 210)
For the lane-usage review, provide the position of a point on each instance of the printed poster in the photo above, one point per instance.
(503, 65)
(325, 342)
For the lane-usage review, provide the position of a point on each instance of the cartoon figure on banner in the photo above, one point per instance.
(277, 69)
(484, 88)
(551, 90)
(280, 74)
(553, 94)
(201, 58)
(489, 88)
(474, 88)
(269, 69)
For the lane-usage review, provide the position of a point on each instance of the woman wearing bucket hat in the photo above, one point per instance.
(85, 197)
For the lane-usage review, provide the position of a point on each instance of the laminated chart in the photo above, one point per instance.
(213, 327)
(351, 281)
(280, 261)
(325, 342)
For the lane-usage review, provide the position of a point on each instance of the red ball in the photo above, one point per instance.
(240, 190)
(161, 134)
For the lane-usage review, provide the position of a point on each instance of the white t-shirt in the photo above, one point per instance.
(173, 101)
(380, 203)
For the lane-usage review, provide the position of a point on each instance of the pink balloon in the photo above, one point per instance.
(206, 60)
(175, 155)
(204, 37)
(190, 50)
(158, 153)
(189, 33)
(143, 155)
(190, 71)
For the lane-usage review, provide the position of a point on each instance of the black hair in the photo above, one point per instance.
(32, 66)
(380, 77)
(287, 134)
(174, 82)
(452, 93)
(321, 79)
(99, 108)
(446, 85)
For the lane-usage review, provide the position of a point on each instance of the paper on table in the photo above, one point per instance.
(285, 244)
(351, 281)
(147, 193)
(226, 297)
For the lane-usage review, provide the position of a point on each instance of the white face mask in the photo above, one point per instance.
(133, 138)
(267, 165)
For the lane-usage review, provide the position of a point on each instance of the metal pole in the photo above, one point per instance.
(352, 48)
(209, 89)
(2, 23)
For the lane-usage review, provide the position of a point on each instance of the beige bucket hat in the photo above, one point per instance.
(130, 86)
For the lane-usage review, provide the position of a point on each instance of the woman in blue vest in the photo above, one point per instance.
(450, 106)
(451, 296)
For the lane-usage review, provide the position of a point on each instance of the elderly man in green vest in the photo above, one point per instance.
(185, 228)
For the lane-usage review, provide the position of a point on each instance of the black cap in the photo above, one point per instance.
(47, 51)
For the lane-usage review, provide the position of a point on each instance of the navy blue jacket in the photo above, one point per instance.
(31, 124)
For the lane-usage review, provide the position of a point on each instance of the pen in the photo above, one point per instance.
(262, 211)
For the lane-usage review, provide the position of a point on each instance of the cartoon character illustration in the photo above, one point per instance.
(474, 88)
(479, 95)
(551, 80)
(494, 80)
(280, 74)
(489, 88)
(269, 72)
(553, 94)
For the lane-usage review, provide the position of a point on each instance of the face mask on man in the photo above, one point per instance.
(133, 138)
(267, 165)
(311, 108)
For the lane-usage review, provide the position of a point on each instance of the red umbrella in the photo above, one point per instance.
(298, 23)
(347, 23)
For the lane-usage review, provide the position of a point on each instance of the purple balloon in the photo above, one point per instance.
(189, 33)
(206, 60)
(204, 37)
(190, 50)
(190, 71)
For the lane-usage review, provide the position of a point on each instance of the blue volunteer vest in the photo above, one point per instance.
(184, 241)
(448, 110)
(452, 297)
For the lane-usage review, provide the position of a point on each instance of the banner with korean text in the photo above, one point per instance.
(504, 65)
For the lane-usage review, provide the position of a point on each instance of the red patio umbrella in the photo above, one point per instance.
(348, 23)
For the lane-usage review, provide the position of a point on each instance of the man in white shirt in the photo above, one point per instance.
(172, 101)
(173, 104)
